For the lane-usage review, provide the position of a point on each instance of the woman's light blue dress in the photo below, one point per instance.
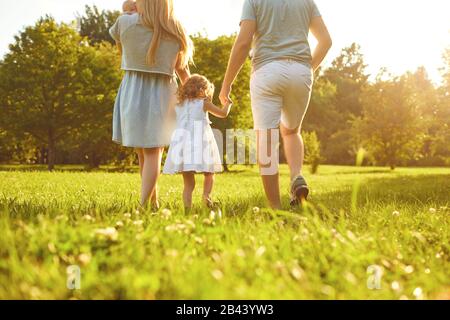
(144, 110)
(144, 114)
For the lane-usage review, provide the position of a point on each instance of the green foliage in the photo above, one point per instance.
(390, 127)
(322, 253)
(335, 101)
(312, 151)
(95, 24)
(56, 87)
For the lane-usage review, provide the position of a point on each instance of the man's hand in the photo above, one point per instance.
(224, 96)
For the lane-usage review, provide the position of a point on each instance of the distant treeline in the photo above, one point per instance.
(58, 83)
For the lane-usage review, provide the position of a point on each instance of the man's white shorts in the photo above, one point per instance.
(280, 93)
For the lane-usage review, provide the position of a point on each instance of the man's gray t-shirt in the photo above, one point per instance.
(282, 29)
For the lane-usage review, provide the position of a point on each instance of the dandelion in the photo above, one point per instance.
(395, 285)
(418, 293)
(217, 274)
(190, 223)
(88, 218)
(256, 210)
(127, 216)
(261, 250)
(166, 213)
(107, 233)
(297, 273)
(119, 224)
(51, 247)
(84, 258)
(172, 253)
(432, 210)
(350, 277)
(198, 240)
(240, 253)
(138, 223)
(409, 269)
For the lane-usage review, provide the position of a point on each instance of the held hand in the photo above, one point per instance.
(225, 96)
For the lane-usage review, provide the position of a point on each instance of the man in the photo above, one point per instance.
(281, 82)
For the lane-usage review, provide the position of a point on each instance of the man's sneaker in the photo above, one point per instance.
(299, 191)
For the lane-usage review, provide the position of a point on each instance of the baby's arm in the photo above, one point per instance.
(216, 111)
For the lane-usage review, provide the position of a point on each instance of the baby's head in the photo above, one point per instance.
(129, 6)
(197, 87)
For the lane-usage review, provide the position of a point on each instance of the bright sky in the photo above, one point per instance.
(398, 34)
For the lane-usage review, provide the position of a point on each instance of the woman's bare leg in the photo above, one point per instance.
(154, 196)
(189, 186)
(150, 174)
(140, 154)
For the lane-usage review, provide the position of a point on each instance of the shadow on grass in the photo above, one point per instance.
(395, 190)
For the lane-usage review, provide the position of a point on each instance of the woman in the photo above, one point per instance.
(155, 47)
(281, 82)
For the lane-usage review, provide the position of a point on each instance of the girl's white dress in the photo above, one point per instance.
(193, 147)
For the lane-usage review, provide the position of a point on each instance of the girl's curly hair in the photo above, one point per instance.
(197, 87)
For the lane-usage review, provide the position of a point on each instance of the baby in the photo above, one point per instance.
(129, 7)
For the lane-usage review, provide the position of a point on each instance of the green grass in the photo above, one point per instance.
(396, 220)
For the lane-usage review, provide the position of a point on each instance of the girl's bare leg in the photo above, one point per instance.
(151, 170)
(189, 186)
(207, 188)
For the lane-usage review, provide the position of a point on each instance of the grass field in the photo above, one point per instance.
(357, 217)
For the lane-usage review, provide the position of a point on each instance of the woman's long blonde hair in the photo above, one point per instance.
(158, 15)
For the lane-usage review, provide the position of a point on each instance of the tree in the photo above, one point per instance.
(312, 151)
(348, 74)
(389, 126)
(95, 24)
(50, 77)
(100, 78)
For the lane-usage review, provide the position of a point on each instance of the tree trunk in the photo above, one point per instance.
(51, 151)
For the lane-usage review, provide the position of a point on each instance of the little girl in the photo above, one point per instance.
(193, 148)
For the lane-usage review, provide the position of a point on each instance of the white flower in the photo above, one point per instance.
(409, 269)
(418, 293)
(107, 233)
(166, 213)
(256, 210)
(84, 258)
(433, 210)
(127, 215)
(217, 274)
(261, 250)
(396, 213)
(395, 286)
